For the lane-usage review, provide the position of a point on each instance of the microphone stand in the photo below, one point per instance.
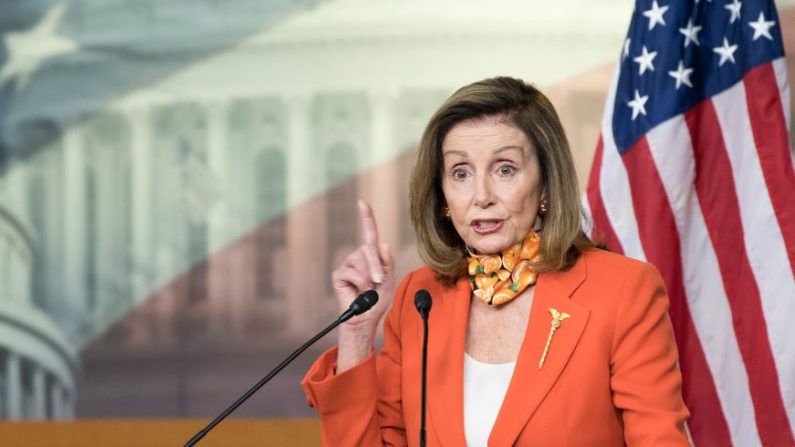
(422, 300)
(362, 303)
(424, 379)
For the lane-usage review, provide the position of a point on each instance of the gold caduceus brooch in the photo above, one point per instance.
(557, 317)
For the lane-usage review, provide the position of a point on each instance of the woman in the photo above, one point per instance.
(537, 338)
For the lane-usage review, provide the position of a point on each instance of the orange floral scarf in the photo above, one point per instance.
(497, 279)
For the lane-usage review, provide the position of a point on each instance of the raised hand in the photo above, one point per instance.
(370, 266)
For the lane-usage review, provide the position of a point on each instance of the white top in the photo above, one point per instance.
(485, 385)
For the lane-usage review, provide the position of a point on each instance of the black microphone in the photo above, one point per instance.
(423, 301)
(360, 305)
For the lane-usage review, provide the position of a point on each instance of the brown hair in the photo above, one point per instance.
(525, 107)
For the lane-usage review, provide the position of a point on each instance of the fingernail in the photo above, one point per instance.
(378, 279)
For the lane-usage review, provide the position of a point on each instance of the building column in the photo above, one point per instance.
(224, 316)
(62, 401)
(74, 217)
(16, 182)
(13, 386)
(303, 222)
(141, 166)
(300, 159)
(57, 401)
(166, 305)
(68, 409)
(17, 274)
(382, 138)
(39, 397)
(385, 180)
(108, 177)
(217, 154)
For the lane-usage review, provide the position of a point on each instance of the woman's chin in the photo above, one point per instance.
(490, 247)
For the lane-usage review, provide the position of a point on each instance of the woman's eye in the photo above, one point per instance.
(506, 170)
(459, 174)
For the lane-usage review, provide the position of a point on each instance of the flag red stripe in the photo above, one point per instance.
(769, 127)
(602, 229)
(715, 189)
(660, 240)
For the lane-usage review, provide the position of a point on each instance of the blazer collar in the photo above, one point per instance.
(529, 385)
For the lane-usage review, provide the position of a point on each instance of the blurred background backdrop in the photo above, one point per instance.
(180, 177)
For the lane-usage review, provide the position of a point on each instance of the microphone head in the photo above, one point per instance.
(423, 301)
(364, 302)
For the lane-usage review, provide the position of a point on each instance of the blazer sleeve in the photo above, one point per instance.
(645, 377)
(362, 406)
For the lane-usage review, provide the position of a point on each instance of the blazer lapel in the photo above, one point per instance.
(447, 335)
(529, 384)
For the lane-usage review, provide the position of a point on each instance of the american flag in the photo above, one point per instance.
(693, 172)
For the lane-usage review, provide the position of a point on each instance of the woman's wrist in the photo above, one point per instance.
(355, 345)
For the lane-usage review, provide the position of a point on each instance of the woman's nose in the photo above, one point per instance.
(484, 196)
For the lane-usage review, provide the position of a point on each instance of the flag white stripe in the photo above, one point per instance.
(780, 69)
(672, 151)
(587, 224)
(763, 238)
(614, 186)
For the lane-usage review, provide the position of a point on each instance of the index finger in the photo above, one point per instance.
(369, 229)
(370, 236)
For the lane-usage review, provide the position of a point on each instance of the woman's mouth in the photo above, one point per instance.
(486, 226)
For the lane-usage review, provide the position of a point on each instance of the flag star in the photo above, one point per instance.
(682, 75)
(626, 48)
(638, 105)
(655, 15)
(28, 49)
(691, 33)
(762, 27)
(734, 8)
(726, 52)
(645, 60)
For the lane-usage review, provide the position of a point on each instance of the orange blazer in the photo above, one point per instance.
(610, 377)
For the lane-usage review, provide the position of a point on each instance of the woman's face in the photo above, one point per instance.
(491, 183)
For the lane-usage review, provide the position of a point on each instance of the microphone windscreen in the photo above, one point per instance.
(364, 302)
(422, 300)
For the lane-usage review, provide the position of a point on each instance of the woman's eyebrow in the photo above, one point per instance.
(508, 148)
(454, 152)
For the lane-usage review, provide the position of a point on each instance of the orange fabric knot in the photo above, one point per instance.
(497, 279)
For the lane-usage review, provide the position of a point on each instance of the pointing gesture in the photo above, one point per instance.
(370, 266)
(372, 251)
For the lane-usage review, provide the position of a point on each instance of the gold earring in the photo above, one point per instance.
(542, 207)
